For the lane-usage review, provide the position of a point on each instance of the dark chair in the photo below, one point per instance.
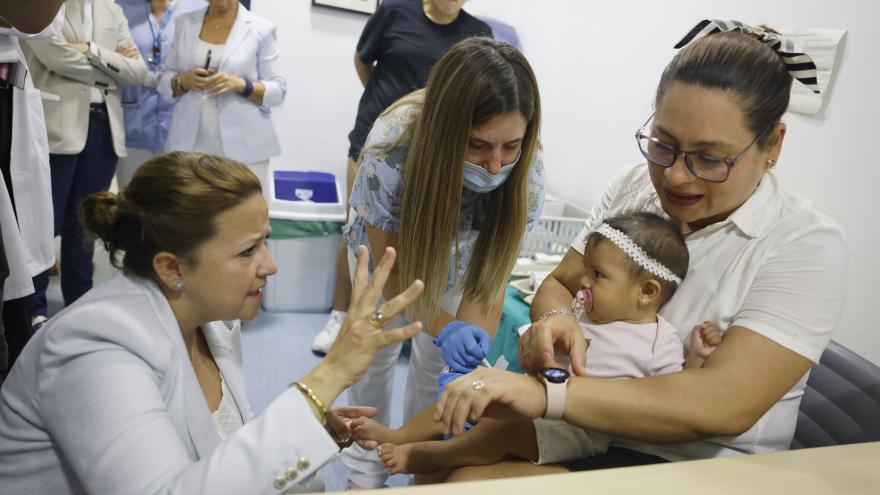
(841, 402)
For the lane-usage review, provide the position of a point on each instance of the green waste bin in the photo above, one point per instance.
(304, 242)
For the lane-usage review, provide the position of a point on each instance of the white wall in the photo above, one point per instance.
(598, 65)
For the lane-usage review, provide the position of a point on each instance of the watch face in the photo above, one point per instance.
(555, 375)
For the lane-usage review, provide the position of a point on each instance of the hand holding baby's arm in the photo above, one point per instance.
(367, 432)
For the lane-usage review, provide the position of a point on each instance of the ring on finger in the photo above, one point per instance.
(478, 384)
(377, 319)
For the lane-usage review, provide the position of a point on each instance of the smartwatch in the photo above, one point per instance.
(555, 381)
(248, 87)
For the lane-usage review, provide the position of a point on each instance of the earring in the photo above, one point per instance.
(178, 286)
(771, 162)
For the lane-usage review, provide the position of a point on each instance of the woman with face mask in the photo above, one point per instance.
(452, 177)
(400, 43)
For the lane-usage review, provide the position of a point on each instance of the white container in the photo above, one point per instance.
(306, 265)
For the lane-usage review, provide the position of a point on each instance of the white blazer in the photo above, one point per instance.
(251, 51)
(104, 399)
(60, 69)
(28, 241)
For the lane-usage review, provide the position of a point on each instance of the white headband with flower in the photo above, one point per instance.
(637, 254)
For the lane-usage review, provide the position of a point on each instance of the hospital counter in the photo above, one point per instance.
(841, 469)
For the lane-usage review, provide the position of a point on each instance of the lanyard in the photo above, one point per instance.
(155, 57)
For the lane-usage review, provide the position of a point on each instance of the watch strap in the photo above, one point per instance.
(248, 87)
(555, 399)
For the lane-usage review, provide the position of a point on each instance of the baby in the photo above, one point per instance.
(632, 266)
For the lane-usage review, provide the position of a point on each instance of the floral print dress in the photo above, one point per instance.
(377, 193)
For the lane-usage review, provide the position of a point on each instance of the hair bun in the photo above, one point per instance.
(98, 216)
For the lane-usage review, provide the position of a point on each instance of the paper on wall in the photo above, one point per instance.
(823, 46)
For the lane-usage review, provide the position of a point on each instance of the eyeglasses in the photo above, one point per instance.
(707, 167)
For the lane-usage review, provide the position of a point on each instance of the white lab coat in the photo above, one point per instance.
(104, 399)
(28, 242)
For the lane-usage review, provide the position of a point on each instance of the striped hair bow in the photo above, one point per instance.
(799, 64)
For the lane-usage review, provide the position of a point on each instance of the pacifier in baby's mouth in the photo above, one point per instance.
(585, 298)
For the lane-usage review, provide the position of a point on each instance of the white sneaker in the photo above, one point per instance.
(328, 334)
(37, 322)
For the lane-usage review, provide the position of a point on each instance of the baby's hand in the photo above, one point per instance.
(705, 339)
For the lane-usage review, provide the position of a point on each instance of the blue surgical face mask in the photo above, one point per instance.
(478, 179)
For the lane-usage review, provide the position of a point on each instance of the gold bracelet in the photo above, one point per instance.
(312, 397)
(554, 312)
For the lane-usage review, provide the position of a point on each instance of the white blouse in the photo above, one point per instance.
(208, 138)
(775, 266)
(227, 418)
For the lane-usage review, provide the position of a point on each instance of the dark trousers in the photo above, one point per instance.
(73, 178)
(615, 457)
(15, 325)
(5, 149)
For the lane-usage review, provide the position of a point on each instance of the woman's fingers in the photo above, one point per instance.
(538, 345)
(355, 411)
(543, 347)
(390, 337)
(367, 291)
(465, 400)
(395, 306)
(469, 398)
(525, 350)
(577, 353)
(361, 275)
(456, 418)
(380, 275)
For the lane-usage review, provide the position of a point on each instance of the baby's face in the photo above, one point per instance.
(611, 289)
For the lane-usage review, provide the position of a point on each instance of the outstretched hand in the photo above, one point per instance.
(359, 339)
(489, 392)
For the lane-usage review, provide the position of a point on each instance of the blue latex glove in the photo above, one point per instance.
(463, 345)
(446, 377)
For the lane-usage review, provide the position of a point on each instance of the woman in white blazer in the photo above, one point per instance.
(224, 72)
(138, 388)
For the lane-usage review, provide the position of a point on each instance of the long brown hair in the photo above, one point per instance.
(477, 79)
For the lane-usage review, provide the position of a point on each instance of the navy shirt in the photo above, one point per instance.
(405, 44)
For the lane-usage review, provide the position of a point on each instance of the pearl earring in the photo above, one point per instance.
(771, 162)
(178, 286)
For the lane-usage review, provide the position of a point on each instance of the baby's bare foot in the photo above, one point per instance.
(370, 433)
(409, 458)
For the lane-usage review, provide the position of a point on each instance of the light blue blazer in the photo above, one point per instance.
(251, 51)
(104, 399)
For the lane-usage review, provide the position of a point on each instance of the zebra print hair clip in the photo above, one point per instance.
(799, 64)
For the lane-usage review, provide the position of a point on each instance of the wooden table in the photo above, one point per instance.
(822, 471)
